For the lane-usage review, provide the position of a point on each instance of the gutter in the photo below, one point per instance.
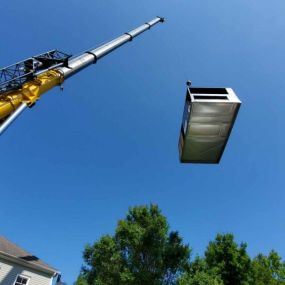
(25, 263)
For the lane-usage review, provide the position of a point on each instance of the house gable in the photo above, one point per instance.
(15, 261)
(9, 272)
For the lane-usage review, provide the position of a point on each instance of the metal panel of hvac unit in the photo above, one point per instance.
(209, 115)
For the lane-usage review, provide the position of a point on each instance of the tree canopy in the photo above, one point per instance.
(230, 260)
(227, 263)
(143, 251)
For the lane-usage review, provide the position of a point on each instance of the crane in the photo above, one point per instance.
(22, 84)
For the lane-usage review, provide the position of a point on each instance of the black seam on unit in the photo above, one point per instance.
(130, 36)
(149, 25)
(95, 57)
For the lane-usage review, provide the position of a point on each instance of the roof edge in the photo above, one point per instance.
(37, 267)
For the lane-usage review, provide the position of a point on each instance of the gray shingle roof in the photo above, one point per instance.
(11, 249)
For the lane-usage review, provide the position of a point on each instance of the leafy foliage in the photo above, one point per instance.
(200, 274)
(268, 270)
(230, 259)
(200, 278)
(81, 280)
(227, 263)
(143, 251)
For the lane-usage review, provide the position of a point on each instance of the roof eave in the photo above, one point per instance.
(28, 264)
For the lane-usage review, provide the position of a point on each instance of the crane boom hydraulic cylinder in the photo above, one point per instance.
(15, 100)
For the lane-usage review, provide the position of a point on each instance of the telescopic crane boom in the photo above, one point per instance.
(23, 83)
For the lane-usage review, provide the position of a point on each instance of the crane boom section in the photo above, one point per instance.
(91, 56)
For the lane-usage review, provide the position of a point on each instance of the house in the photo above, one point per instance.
(19, 267)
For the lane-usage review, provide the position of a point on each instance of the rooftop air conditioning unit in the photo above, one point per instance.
(209, 116)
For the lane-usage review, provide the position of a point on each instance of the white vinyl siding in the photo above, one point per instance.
(9, 273)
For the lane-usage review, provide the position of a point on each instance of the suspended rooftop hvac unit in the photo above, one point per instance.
(209, 115)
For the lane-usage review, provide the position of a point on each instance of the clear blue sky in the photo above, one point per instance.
(72, 165)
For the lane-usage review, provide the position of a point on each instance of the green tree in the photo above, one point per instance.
(81, 281)
(226, 262)
(229, 259)
(200, 274)
(268, 270)
(200, 278)
(142, 251)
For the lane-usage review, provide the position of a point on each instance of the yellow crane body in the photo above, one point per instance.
(29, 93)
